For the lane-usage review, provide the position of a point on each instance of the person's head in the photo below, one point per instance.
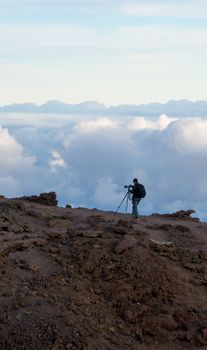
(135, 180)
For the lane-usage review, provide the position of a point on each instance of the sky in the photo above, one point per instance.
(87, 161)
(114, 52)
(111, 51)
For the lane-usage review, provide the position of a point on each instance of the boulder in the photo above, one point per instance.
(49, 198)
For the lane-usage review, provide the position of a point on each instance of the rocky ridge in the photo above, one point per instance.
(88, 280)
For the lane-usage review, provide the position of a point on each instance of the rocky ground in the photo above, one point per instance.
(88, 280)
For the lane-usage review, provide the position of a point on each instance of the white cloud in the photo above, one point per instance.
(10, 187)
(95, 125)
(141, 123)
(90, 161)
(107, 192)
(57, 161)
(12, 158)
(190, 136)
(14, 165)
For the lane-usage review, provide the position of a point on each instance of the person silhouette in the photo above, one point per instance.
(136, 198)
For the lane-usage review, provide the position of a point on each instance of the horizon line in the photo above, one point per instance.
(100, 103)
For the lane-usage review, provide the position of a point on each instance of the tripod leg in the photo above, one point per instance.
(127, 204)
(121, 204)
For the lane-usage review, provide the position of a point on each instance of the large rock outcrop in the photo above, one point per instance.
(49, 198)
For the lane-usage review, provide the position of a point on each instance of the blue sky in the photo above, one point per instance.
(113, 51)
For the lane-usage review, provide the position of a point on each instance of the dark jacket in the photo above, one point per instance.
(135, 191)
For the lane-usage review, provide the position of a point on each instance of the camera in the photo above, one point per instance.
(128, 186)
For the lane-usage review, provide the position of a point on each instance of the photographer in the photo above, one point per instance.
(137, 195)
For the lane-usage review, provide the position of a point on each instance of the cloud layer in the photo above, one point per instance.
(88, 161)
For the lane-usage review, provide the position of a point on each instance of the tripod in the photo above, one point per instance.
(128, 197)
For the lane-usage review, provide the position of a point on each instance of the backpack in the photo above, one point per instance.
(142, 191)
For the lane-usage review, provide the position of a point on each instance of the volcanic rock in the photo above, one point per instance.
(43, 198)
(88, 280)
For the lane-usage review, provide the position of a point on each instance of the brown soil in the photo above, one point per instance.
(84, 279)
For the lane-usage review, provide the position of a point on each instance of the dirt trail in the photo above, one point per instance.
(84, 279)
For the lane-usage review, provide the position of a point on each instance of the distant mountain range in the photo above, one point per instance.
(182, 108)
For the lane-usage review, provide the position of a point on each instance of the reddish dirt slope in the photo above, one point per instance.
(84, 279)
